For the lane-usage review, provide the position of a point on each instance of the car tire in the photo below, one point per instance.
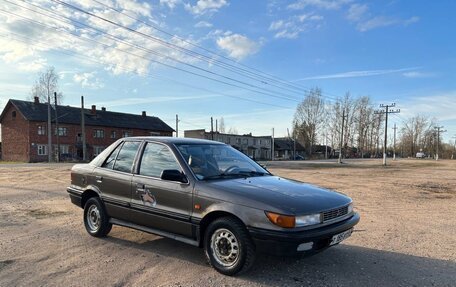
(228, 246)
(96, 221)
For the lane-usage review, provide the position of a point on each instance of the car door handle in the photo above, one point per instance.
(99, 178)
(140, 188)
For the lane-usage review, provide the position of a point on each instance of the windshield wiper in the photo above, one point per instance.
(222, 175)
(253, 172)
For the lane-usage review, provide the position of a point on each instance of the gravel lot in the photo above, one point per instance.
(406, 237)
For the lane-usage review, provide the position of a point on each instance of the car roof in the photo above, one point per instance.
(173, 140)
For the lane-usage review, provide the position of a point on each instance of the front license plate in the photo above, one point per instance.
(340, 237)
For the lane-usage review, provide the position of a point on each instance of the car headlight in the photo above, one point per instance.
(305, 220)
(350, 208)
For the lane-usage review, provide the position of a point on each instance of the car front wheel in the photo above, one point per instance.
(228, 246)
(96, 220)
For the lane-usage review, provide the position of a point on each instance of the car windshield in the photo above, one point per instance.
(217, 161)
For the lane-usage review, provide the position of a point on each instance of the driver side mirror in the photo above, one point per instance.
(173, 175)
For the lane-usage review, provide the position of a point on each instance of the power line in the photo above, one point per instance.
(117, 39)
(261, 75)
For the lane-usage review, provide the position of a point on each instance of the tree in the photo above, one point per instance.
(232, 131)
(222, 125)
(309, 117)
(46, 85)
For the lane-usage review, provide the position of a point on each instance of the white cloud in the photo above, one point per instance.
(142, 9)
(170, 3)
(293, 26)
(439, 105)
(205, 6)
(238, 46)
(88, 80)
(320, 4)
(203, 24)
(382, 21)
(417, 74)
(357, 11)
(33, 65)
(357, 74)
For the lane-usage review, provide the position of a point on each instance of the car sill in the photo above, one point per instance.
(154, 231)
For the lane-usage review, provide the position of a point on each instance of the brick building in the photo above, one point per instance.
(25, 134)
(257, 147)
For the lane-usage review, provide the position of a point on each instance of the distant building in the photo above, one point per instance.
(284, 147)
(257, 147)
(25, 133)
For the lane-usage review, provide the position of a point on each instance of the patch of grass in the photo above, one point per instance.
(40, 213)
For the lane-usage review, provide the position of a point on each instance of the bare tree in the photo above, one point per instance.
(221, 125)
(232, 131)
(309, 117)
(417, 135)
(46, 85)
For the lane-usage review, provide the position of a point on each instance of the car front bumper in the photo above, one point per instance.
(287, 242)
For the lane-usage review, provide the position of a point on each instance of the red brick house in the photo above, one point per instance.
(25, 134)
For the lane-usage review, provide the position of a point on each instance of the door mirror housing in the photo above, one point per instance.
(173, 175)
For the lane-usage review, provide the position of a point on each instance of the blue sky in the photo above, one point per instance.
(394, 51)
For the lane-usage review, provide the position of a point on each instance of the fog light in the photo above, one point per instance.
(305, 246)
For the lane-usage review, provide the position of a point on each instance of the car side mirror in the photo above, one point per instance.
(173, 175)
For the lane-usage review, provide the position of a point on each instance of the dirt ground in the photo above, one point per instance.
(406, 237)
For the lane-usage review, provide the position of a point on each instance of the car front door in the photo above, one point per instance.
(161, 204)
(113, 179)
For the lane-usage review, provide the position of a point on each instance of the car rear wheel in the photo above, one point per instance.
(96, 220)
(228, 246)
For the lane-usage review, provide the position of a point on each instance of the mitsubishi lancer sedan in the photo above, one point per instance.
(210, 195)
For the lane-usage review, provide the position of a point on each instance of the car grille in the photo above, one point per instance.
(335, 213)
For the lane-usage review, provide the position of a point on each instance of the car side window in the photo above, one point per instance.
(155, 159)
(109, 162)
(126, 156)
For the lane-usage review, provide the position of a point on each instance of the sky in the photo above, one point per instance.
(250, 62)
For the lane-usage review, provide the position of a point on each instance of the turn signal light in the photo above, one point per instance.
(281, 220)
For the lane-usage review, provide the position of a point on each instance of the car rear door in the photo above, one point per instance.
(156, 203)
(113, 179)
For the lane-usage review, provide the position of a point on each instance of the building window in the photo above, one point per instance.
(126, 134)
(13, 115)
(64, 149)
(42, 150)
(113, 134)
(63, 131)
(98, 134)
(41, 130)
(97, 150)
(154, 133)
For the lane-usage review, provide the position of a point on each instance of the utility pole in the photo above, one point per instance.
(57, 127)
(386, 111)
(439, 131)
(272, 145)
(83, 134)
(454, 147)
(341, 136)
(212, 128)
(216, 125)
(326, 145)
(49, 130)
(394, 142)
(177, 126)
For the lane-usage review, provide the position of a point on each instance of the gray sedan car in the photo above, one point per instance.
(210, 195)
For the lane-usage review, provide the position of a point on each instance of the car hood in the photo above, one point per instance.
(276, 194)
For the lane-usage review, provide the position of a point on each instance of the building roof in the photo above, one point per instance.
(173, 140)
(225, 134)
(286, 144)
(72, 115)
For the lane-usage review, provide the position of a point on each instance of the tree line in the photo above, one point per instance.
(350, 124)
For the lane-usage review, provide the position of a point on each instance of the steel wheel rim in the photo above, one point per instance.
(93, 218)
(225, 247)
